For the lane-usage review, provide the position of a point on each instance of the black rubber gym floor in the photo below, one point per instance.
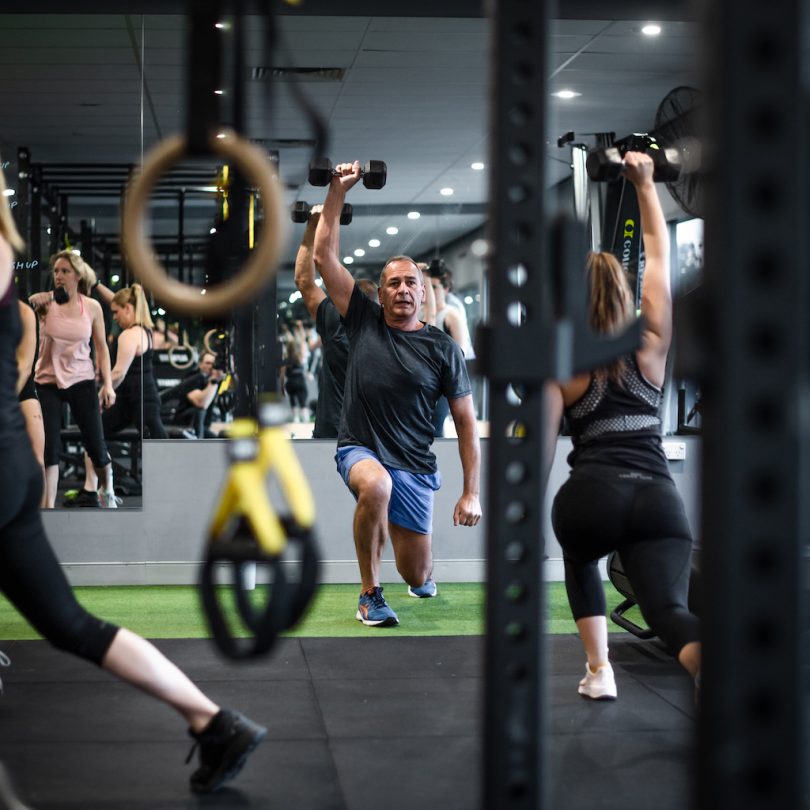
(353, 723)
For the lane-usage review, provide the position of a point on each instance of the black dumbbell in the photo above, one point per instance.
(608, 164)
(300, 212)
(374, 173)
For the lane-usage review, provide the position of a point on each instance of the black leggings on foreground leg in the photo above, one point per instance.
(30, 574)
(601, 508)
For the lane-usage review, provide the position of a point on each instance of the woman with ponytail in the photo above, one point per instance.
(137, 401)
(64, 373)
(618, 466)
(132, 374)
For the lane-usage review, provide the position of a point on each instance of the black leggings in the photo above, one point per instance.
(83, 401)
(296, 386)
(603, 508)
(30, 574)
(128, 411)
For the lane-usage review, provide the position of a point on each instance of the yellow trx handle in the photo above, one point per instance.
(245, 492)
(276, 455)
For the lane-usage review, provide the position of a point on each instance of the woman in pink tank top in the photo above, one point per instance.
(64, 372)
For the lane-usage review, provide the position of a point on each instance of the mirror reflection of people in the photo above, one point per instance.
(137, 402)
(197, 394)
(26, 388)
(32, 579)
(618, 466)
(398, 368)
(450, 320)
(294, 371)
(163, 336)
(65, 373)
(335, 344)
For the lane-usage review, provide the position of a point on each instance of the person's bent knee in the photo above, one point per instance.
(415, 575)
(83, 635)
(372, 487)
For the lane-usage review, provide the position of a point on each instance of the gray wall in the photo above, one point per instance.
(161, 543)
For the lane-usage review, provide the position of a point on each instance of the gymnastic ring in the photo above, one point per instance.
(192, 359)
(263, 260)
(207, 341)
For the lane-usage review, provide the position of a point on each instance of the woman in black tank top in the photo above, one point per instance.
(137, 403)
(620, 495)
(35, 584)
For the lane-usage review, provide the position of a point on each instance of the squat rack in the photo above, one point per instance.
(756, 441)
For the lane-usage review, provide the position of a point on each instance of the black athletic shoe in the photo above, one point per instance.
(81, 498)
(224, 745)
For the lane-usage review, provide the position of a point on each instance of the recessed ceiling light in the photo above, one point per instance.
(9, 192)
(221, 135)
(221, 25)
(477, 166)
(446, 191)
(202, 292)
(566, 94)
(373, 242)
(212, 230)
(414, 215)
(115, 279)
(219, 92)
(359, 252)
(348, 260)
(651, 30)
(392, 230)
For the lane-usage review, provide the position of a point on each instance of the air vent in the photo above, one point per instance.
(304, 74)
(285, 143)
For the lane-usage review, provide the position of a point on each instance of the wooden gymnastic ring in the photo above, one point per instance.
(207, 341)
(192, 359)
(263, 260)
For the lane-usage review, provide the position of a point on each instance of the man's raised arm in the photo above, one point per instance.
(338, 280)
(305, 266)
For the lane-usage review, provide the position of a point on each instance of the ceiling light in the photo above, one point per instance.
(221, 25)
(348, 260)
(392, 230)
(566, 94)
(161, 311)
(446, 191)
(221, 135)
(414, 215)
(359, 252)
(373, 242)
(115, 279)
(9, 192)
(202, 291)
(213, 230)
(319, 282)
(219, 92)
(651, 30)
(468, 299)
(477, 166)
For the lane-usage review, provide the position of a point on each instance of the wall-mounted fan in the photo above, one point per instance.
(677, 126)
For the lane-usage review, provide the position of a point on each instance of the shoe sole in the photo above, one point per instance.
(391, 621)
(422, 595)
(229, 770)
(605, 696)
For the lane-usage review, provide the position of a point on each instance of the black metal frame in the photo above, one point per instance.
(755, 493)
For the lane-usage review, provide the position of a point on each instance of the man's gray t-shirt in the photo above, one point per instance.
(333, 370)
(392, 383)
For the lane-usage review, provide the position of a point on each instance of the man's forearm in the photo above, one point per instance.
(469, 450)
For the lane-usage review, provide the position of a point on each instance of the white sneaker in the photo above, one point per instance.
(599, 685)
(108, 500)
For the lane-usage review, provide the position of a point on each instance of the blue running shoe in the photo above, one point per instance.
(373, 610)
(426, 591)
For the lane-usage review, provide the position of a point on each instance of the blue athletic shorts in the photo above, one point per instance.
(411, 504)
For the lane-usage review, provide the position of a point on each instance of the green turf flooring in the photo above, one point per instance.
(173, 611)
